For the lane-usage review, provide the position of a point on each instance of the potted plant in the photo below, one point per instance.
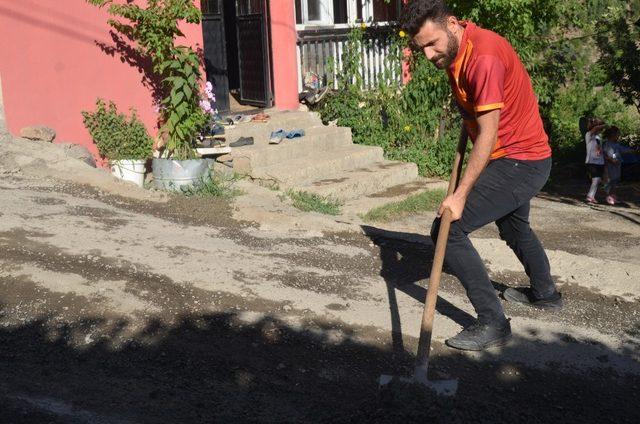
(153, 30)
(122, 139)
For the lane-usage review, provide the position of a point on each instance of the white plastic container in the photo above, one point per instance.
(129, 170)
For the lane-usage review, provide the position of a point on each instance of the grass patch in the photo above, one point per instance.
(309, 202)
(216, 185)
(271, 185)
(423, 202)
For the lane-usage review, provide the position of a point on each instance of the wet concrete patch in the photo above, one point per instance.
(342, 285)
(179, 251)
(109, 219)
(213, 212)
(48, 201)
(24, 300)
(337, 307)
(168, 296)
(92, 212)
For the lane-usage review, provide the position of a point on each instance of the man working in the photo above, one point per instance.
(509, 163)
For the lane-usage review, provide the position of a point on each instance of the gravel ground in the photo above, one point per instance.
(121, 309)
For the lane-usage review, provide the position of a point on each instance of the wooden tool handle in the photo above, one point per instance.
(424, 343)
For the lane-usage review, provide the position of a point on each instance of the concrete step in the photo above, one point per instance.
(261, 134)
(319, 166)
(316, 142)
(362, 181)
(281, 120)
(396, 193)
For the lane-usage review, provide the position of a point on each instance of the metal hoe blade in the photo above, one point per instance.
(441, 387)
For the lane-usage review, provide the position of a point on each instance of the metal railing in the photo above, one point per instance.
(318, 48)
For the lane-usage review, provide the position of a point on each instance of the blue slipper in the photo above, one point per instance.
(277, 136)
(295, 133)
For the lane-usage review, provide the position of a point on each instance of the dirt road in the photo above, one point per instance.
(115, 310)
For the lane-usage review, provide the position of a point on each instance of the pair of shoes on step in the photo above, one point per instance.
(260, 117)
(480, 336)
(210, 141)
(215, 130)
(238, 119)
(278, 135)
(242, 141)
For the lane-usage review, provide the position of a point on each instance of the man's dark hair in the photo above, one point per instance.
(417, 12)
(611, 131)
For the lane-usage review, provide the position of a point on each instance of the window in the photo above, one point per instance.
(340, 12)
(210, 7)
(248, 7)
(386, 12)
(315, 12)
(298, 12)
(359, 9)
(332, 12)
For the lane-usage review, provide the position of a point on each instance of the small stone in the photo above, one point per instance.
(286, 308)
(79, 152)
(224, 158)
(38, 133)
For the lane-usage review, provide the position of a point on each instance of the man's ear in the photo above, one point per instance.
(452, 23)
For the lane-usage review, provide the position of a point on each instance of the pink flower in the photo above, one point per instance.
(205, 105)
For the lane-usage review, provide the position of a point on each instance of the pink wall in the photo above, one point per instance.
(283, 49)
(52, 68)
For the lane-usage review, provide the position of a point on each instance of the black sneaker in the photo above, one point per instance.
(481, 336)
(242, 141)
(525, 295)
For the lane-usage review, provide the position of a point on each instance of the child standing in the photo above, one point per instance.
(613, 158)
(595, 156)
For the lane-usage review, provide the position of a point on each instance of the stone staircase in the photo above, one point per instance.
(325, 161)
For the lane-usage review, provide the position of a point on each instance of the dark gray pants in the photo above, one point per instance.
(501, 195)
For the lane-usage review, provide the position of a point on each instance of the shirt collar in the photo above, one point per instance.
(469, 28)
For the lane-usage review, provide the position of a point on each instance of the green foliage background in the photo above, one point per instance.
(582, 56)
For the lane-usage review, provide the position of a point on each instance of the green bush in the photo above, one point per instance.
(116, 135)
(404, 121)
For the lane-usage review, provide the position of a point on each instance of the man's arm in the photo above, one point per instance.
(480, 154)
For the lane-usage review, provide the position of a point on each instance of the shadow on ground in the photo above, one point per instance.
(216, 368)
(572, 191)
(406, 261)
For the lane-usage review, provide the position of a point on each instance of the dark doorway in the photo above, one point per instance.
(232, 41)
(215, 47)
(237, 51)
(252, 23)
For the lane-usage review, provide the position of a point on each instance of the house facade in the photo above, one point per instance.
(58, 57)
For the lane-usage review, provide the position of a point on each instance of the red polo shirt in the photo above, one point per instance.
(486, 75)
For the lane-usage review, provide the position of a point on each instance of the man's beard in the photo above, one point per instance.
(444, 60)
